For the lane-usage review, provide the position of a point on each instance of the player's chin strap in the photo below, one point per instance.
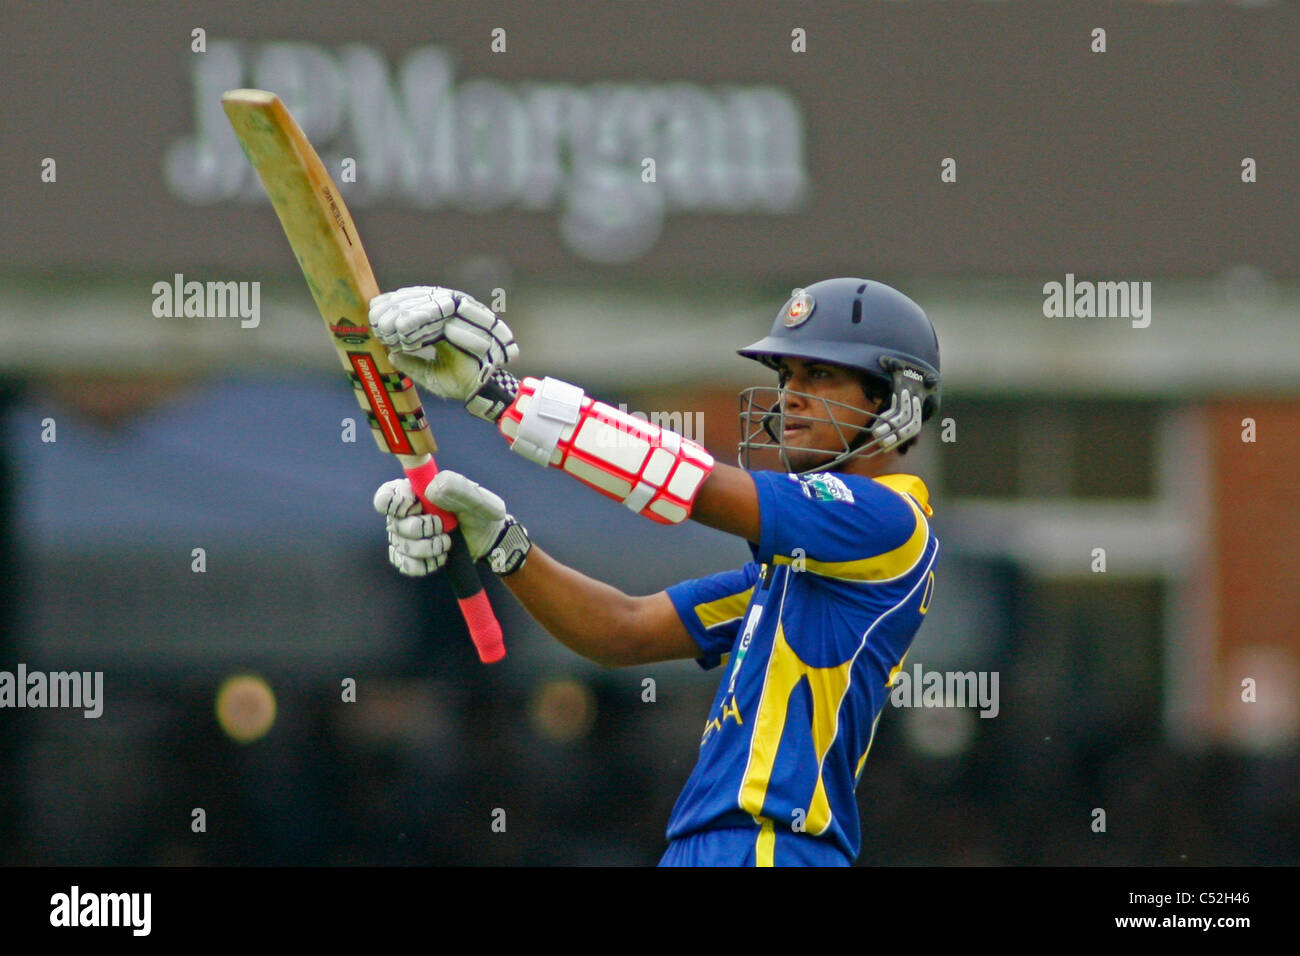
(652, 470)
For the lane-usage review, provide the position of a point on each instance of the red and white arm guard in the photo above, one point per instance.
(653, 470)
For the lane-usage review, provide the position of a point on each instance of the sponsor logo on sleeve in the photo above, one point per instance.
(825, 488)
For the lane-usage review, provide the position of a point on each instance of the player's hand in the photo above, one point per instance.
(417, 544)
(446, 341)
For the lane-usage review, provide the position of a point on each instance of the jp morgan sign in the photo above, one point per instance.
(423, 138)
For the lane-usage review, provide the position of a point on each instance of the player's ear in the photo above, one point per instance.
(876, 399)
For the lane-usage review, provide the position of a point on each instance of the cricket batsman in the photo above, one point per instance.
(811, 631)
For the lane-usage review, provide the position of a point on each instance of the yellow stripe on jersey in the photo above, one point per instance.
(880, 567)
(908, 485)
(893, 671)
(785, 671)
(765, 845)
(927, 595)
(723, 609)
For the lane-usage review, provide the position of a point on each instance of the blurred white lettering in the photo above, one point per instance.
(425, 140)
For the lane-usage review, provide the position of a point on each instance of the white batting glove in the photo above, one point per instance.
(416, 543)
(446, 341)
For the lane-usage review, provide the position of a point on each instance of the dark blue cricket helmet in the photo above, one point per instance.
(859, 324)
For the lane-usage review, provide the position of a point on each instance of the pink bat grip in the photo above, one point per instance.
(473, 600)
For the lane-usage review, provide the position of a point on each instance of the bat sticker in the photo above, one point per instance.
(390, 422)
(351, 334)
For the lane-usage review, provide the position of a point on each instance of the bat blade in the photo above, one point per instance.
(324, 239)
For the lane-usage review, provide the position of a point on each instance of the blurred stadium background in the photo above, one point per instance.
(1119, 690)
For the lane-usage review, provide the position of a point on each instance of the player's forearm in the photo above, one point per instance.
(587, 616)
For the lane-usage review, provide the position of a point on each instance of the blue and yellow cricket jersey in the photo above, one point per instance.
(811, 630)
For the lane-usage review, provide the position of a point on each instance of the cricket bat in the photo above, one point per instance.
(324, 238)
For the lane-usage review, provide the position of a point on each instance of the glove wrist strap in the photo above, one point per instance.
(494, 396)
(510, 550)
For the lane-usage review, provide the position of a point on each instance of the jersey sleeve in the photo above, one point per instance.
(712, 608)
(839, 526)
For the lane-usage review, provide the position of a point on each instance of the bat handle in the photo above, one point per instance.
(473, 600)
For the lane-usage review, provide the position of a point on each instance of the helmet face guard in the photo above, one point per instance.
(764, 416)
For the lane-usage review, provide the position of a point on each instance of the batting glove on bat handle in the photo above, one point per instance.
(445, 340)
(484, 629)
